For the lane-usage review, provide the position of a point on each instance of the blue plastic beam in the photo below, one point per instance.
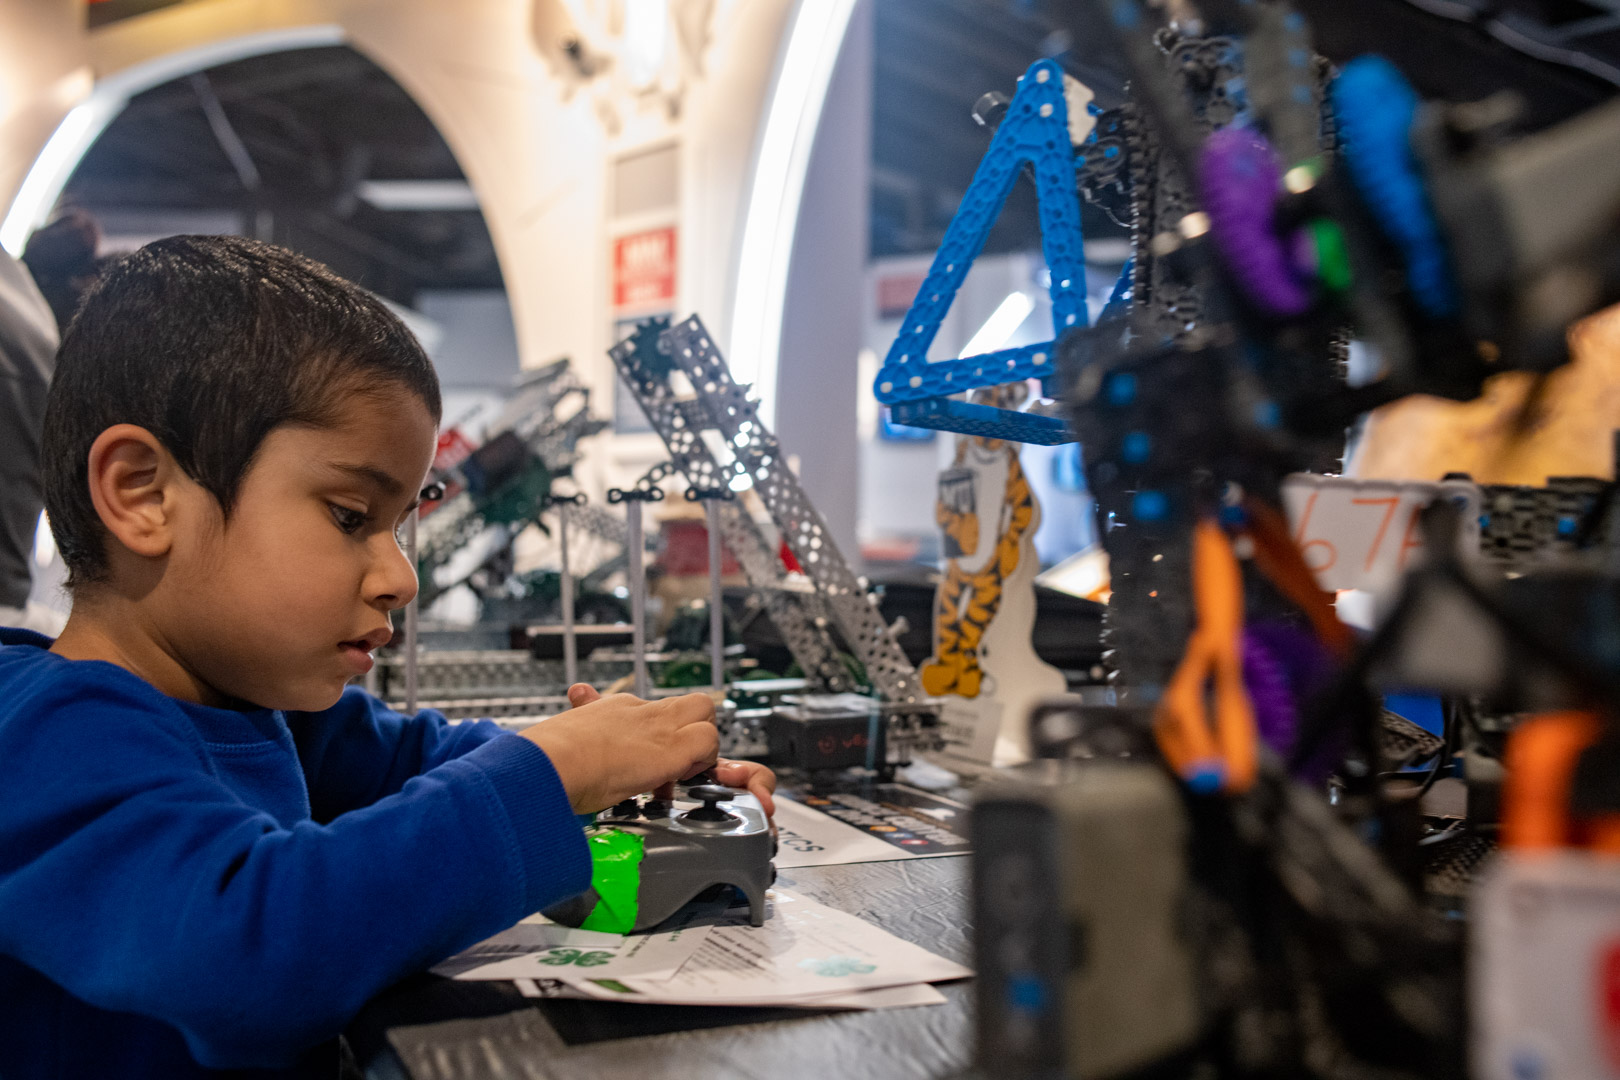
(1035, 132)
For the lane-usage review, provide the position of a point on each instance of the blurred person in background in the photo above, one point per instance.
(28, 337)
(61, 258)
(38, 297)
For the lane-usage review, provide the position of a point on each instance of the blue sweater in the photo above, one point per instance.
(185, 888)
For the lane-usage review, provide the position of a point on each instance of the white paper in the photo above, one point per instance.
(804, 952)
(523, 939)
(1545, 971)
(807, 837)
(544, 950)
(810, 837)
(888, 997)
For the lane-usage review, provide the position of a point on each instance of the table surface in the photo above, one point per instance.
(429, 1028)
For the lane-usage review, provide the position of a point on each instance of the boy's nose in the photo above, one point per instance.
(392, 581)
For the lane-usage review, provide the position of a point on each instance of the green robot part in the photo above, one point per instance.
(615, 880)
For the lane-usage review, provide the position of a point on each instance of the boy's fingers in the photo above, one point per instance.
(582, 694)
(690, 709)
(759, 781)
(744, 774)
(701, 745)
(766, 803)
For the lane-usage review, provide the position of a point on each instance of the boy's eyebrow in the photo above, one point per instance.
(379, 478)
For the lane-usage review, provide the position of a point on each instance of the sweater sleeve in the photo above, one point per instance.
(360, 750)
(136, 880)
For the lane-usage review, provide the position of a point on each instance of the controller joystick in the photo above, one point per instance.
(709, 815)
(629, 808)
(647, 862)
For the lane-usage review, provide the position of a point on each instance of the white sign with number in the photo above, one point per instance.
(1363, 534)
(1545, 968)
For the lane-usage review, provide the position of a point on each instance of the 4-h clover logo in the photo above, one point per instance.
(834, 966)
(565, 957)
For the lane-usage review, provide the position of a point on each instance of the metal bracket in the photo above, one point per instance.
(621, 495)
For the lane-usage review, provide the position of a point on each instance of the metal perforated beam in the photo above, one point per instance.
(645, 366)
(757, 462)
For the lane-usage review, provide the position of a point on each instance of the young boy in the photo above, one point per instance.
(212, 852)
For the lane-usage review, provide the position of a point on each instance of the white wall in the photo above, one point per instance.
(818, 380)
(475, 352)
(477, 346)
(43, 73)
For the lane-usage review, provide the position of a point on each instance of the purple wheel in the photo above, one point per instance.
(1240, 179)
(1275, 714)
(1283, 668)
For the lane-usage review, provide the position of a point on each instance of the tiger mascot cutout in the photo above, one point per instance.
(971, 592)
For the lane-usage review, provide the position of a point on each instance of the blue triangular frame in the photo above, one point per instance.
(1035, 131)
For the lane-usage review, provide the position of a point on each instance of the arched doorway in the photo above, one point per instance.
(317, 149)
(321, 151)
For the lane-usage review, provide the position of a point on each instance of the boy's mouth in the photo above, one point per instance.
(357, 651)
(372, 641)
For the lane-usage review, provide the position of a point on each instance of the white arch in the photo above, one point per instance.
(85, 122)
(781, 159)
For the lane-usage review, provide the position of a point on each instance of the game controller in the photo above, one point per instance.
(649, 859)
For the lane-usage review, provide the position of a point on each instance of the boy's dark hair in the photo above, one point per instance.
(210, 343)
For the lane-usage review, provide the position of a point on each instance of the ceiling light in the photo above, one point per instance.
(418, 194)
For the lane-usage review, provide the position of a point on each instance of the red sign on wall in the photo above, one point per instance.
(895, 292)
(644, 269)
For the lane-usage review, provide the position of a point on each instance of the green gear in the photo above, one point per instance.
(1332, 255)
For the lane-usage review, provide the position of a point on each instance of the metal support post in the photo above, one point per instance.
(635, 556)
(717, 611)
(410, 619)
(711, 498)
(638, 596)
(570, 639)
(570, 646)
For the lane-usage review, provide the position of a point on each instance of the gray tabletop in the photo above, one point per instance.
(433, 1029)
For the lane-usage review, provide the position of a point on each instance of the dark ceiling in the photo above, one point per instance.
(935, 57)
(934, 60)
(306, 127)
(314, 123)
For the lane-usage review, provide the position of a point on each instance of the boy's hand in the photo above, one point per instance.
(758, 780)
(606, 750)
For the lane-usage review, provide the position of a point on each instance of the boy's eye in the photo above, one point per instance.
(347, 518)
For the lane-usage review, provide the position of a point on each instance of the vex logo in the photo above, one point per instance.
(831, 744)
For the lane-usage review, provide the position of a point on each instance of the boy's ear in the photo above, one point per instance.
(132, 484)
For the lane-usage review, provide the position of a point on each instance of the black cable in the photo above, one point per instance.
(1448, 733)
(1519, 41)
